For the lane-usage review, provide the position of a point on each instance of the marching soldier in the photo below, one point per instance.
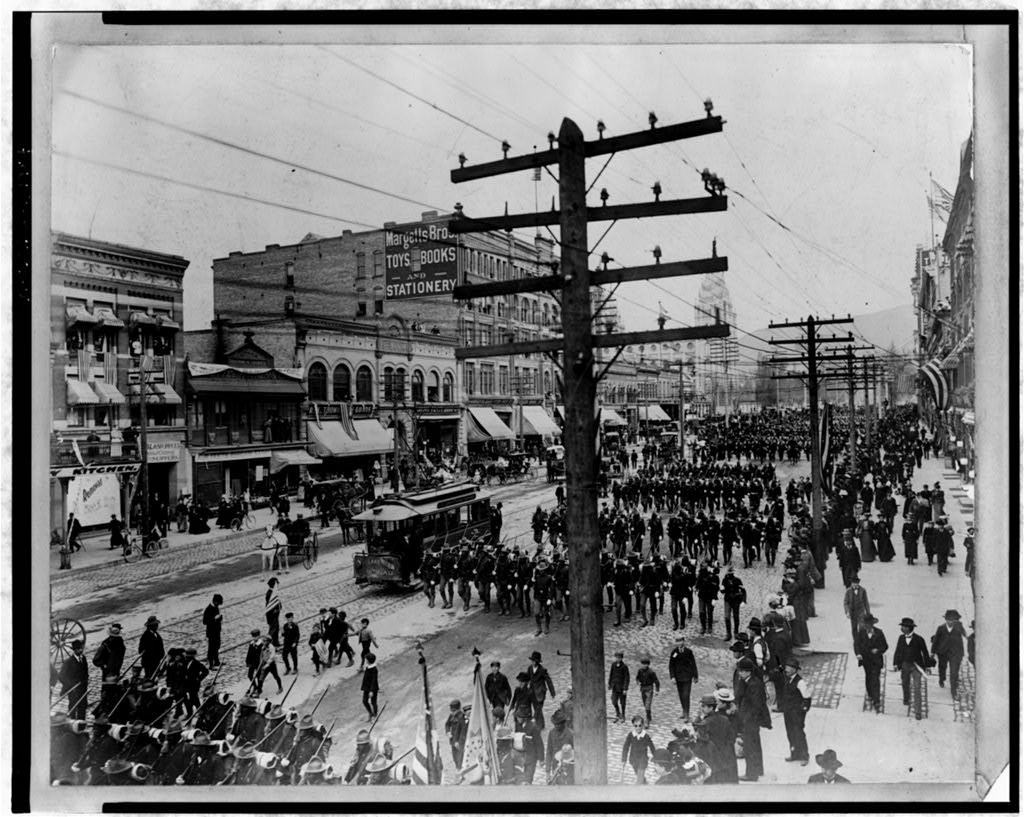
(484, 577)
(175, 754)
(309, 742)
(356, 773)
(524, 582)
(504, 578)
(448, 570)
(623, 582)
(249, 724)
(466, 572)
(561, 578)
(430, 575)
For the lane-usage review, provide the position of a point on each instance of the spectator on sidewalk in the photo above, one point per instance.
(213, 619)
(319, 648)
(856, 606)
(637, 748)
(455, 728)
(910, 534)
(948, 647)
(943, 544)
(109, 656)
(796, 702)
(829, 763)
(496, 686)
(74, 681)
(252, 656)
(74, 533)
(911, 653)
(752, 716)
(618, 683)
(870, 648)
(116, 532)
(682, 668)
(268, 665)
(647, 680)
(151, 647)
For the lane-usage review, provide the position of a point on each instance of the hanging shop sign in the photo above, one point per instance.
(420, 261)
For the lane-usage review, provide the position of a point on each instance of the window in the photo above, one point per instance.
(470, 378)
(434, 389)
(378, 300)
(417, 386)
(361, 309)
(448, 394)
(360, 265)
(547, 382)
(486, 378)
(342, 383)
(378, 264)
(503, 380)
(163, 344)
(401, 378)
(468, 330)
(364, 385)
(74, 339)
(317, 382)
(289, 273)
(389, 382)
(486, 335)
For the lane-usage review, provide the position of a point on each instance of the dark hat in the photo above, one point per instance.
(645, 659)
(116, 765)
(77, 644)
(709, 700)
(738, 647)
(870, 619)
(755, 624)
(535, 656)
(522, 676)
(855, 578)
(151, 621)
(619, 654)
(496, 664)
(558, 716)
(663, 757)
(456, 704)
(828, 759)
(745, 665)
(114, 629)
(792, 662)
(952, 614)
(907, 622)
(190, 651)
(254, 633)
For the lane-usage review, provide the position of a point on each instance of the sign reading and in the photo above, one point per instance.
(420, 261)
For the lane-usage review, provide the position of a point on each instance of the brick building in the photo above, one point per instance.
(114, 310)
(350, 312)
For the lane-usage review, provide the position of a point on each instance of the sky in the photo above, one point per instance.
(202, 150)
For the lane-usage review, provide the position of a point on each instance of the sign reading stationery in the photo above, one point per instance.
(420, 260)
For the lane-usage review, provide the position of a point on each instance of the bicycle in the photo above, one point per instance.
(132, 551)
(246, 520)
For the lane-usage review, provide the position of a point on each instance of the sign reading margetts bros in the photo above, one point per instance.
(420, 260)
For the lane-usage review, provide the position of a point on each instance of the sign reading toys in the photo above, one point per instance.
(420, 261)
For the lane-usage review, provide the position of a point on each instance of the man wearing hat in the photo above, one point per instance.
(455, 728)
(943, 544)
(540, 684)
(253, 655)
(249, 724)
(618, 683)
(193, 675)
(910, 654)
(856, 606)
(356, 772)
(151, 647)
(829, 763)
(117, 772)
(543, 591)
(74, 681)
(716, 738)
(682, 668)
(870, 647)
(109, 655)
(734, 594)
(948, 647)
(560, 735)
(796, 701)
(752, 714)
(212, 620)
(522, 701)
(496, 686)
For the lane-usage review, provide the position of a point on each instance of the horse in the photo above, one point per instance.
(273, 550)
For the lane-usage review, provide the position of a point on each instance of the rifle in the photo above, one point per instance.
(126, 669)
(381, 712)
(62, 697)
(322, 695)
(222, 717)
(163, 714)
(327, 734)
(289, 692)
(81, 698)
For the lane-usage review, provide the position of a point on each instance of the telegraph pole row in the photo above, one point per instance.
(573, 279)
(811, 340)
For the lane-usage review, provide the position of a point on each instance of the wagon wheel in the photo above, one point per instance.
(62, 632)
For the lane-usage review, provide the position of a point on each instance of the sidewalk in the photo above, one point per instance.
(96, 550)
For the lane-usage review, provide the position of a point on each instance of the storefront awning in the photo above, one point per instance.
(329, 439)
(282, 459)
(79, 394)
(141, 319)
(536, 421)
(426, 418)
(108, 393)
(79, 314)
(167, 323)
(491, 423)
(159, 393)
(108, 319)
(610, 417)
(654, 414)
(211, 384)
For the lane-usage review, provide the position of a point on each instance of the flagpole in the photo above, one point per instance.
(428, 721)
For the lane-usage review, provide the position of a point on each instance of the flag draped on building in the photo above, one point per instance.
(825, 448)
(481, 749)
(426, 759)
(937, 385)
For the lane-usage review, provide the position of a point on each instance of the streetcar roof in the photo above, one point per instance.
(410, 505)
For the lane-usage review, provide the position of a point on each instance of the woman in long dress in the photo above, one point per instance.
(883, 539)
(867, 540)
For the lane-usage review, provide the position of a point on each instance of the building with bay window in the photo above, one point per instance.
(115, 340)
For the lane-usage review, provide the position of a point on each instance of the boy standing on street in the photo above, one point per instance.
(647, 680)
(290, 639)
(366, 639)
(370, 686)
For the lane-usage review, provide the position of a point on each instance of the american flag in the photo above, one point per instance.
(825, 447)
(932, 371)
(941, 200)
(426, 758)
(481, 749)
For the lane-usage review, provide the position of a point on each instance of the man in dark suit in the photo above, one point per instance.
(752, 715)
(870, 649)
(74, 533)
(496, 687)
(829, 764)
(911, 652)
(682, 668)
(74, 680)
(540, 684)
(151, 647)
(948, 647)
(193, 675)
(212, 620)
(253, 656)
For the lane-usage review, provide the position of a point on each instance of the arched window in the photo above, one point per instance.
(342, 383)
(535, 313)
(448, 393)
(389, 383)
(434, 389)
(417, 386)
(400, 383)
(364, 385)
(318, 382)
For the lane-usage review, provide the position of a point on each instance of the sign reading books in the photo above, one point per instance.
(420, 260)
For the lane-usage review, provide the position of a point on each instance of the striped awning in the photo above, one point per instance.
(141, 319)
(107, 318)
(79, 394)
(654, 414)
(80, 314)
(167, 323)
(108, 393)
(159, 393)
(491, 423)
(610, 417)
(538, 422)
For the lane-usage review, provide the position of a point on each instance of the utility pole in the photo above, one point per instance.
(573, 278)
(812, 341)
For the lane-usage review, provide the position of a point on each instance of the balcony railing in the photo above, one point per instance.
(95, 452)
